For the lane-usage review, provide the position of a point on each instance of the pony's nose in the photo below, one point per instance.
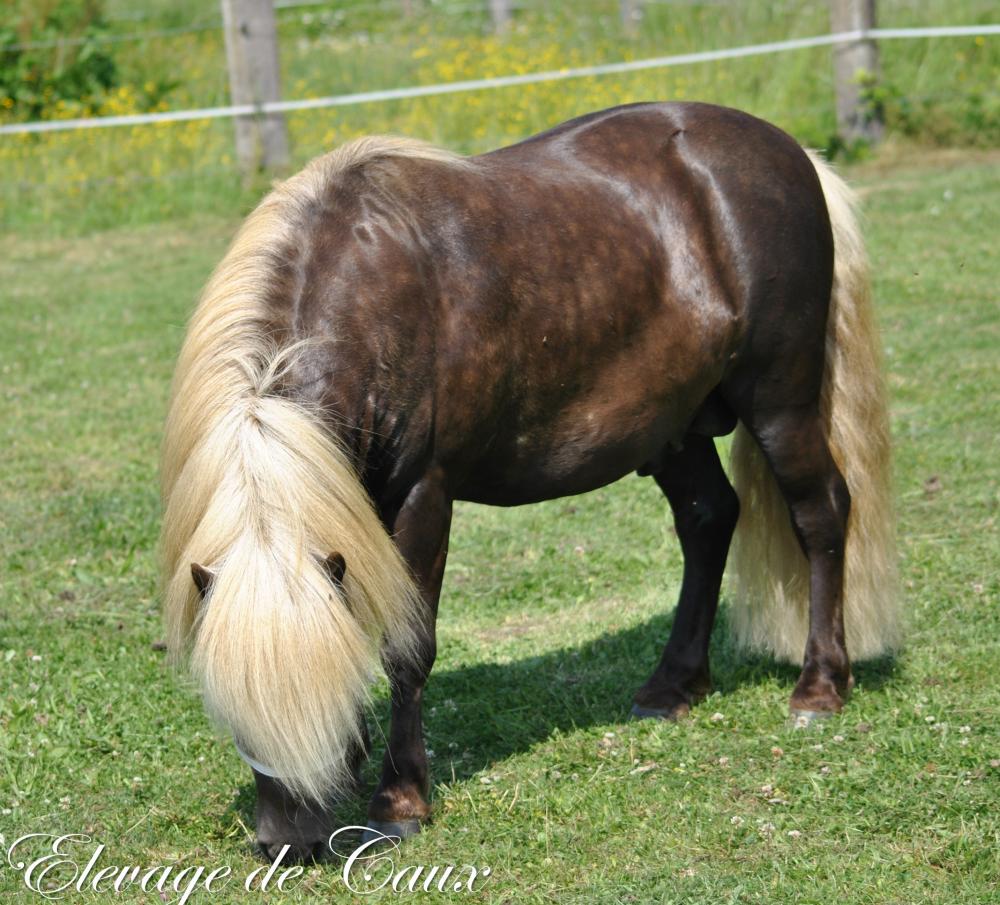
(298, 852)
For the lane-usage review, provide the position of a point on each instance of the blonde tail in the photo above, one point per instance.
(769, 572)
(257, 492)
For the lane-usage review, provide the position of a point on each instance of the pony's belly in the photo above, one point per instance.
(578, 451)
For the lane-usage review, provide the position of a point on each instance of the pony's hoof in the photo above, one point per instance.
(802, 719)
(390, 830)
(653, 713)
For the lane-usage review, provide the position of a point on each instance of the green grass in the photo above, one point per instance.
(551, 616)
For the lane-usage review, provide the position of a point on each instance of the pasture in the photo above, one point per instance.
(550, 617)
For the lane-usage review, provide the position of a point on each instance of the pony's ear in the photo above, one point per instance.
(203, 579)
(335, 567)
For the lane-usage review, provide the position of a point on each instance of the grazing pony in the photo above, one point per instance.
(398, 327)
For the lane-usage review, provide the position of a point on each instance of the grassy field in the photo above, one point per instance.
(551, 616)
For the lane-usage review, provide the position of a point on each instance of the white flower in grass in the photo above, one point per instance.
(717, 717)
(838, 738)
(965, 730)
(736, 820)
(794, 834)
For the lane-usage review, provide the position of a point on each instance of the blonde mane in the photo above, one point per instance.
(256, 490)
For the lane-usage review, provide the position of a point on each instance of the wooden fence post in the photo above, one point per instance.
(254, 78)
(855, 68)
(631, 11)
(500, 11)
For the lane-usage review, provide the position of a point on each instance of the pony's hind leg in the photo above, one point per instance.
(794, 443)
(705, 510)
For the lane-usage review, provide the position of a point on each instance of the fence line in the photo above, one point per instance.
(365, 97)
(87, 182)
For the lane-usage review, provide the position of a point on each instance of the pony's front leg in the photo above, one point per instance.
(421, 533)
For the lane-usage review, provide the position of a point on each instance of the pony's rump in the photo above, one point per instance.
(769, 572)
(258, 492)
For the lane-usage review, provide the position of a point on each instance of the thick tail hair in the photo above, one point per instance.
(258, 493)
(769, 572)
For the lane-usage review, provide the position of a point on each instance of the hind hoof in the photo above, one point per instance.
(653, 713)
(390, 830)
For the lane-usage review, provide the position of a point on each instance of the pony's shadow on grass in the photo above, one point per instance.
(483, 713)
(480, 714)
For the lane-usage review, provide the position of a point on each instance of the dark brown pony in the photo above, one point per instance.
(397, 328)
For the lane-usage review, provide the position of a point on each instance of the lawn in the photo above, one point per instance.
(551, 616)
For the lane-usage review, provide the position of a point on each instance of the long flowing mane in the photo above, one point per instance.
(256, 490)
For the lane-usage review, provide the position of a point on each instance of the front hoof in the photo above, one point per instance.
(390, 830)
(667, 714)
